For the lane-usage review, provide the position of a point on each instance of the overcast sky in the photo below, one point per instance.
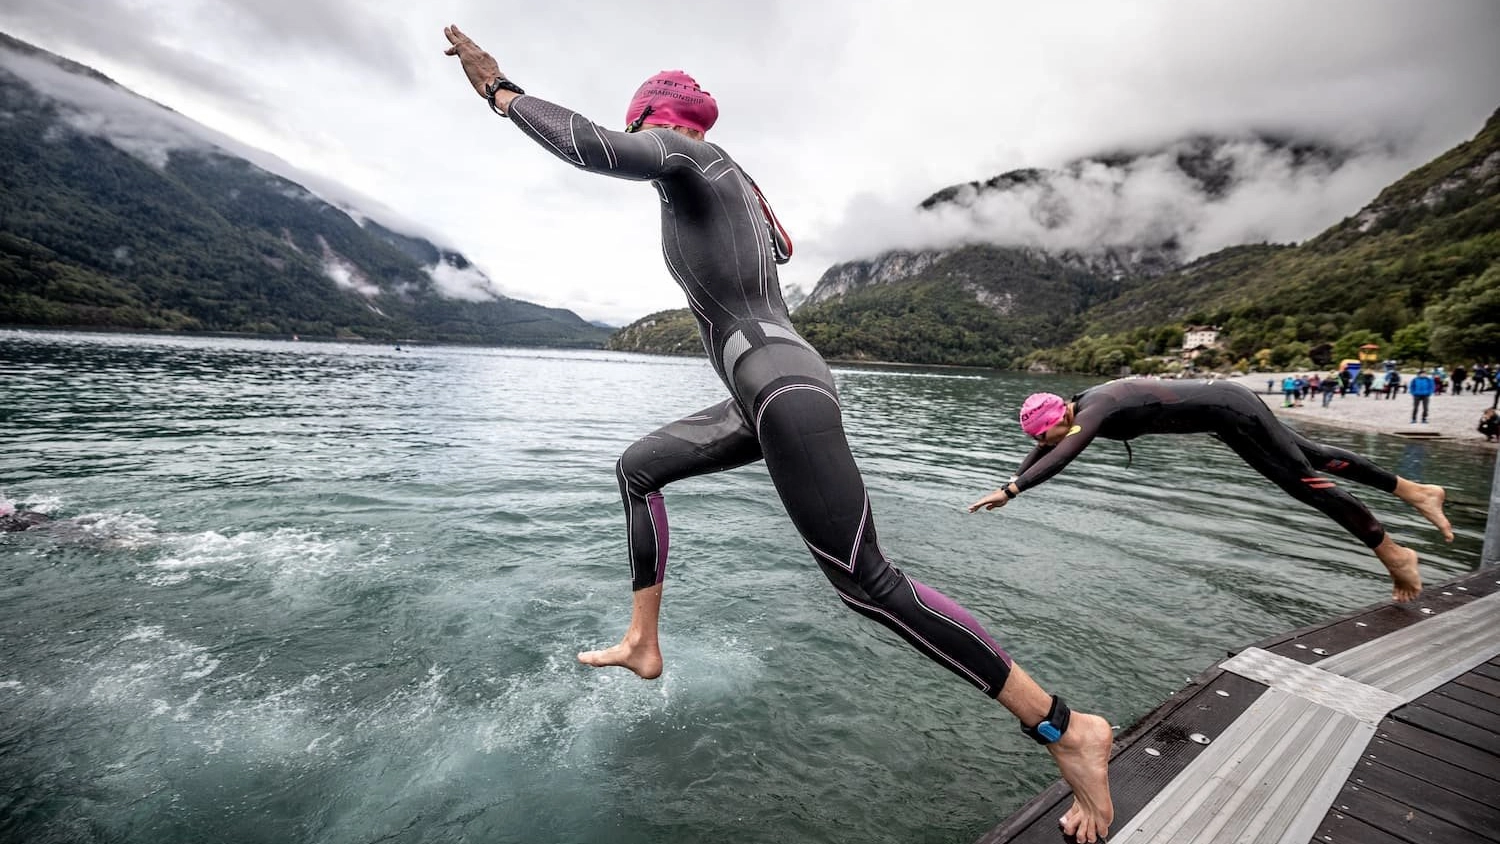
(846, 113)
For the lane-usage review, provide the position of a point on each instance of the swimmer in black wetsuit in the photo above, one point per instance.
(19, 520)
(722, 244)
(1129, 408)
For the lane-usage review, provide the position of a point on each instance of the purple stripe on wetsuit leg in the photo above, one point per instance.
(946, 606)
(658, 508)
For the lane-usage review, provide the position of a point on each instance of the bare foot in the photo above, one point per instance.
(1082, 754)
(1406, 574)
(1428, 499)
(644, 659)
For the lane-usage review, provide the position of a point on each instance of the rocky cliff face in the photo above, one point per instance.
(843, 279)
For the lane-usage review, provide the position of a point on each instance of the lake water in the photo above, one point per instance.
(331, 593)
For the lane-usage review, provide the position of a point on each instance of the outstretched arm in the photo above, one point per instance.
(561, 131)
(1042, 463)
(1003, 495)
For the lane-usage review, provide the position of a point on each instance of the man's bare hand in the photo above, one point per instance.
(479, 66)
(998, 498)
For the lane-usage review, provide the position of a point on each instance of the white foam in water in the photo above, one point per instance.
(407, 706)
(48, 504)
(285, 553)
(564, 712)
(558, 716)
(11, 685)
(144, 633)
(203, 665)
(120, 531)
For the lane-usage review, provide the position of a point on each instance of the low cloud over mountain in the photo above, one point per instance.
(1194, 195)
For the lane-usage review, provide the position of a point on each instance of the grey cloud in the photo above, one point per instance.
(345, 28)
(111, 30)
(198, 46)
(1145, 203)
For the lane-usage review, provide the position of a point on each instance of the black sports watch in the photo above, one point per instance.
(500, 84)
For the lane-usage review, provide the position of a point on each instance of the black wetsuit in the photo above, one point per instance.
(1126, 409)
(783, 406)
(22, 520)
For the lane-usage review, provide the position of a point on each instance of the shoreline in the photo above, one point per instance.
(1451, 418)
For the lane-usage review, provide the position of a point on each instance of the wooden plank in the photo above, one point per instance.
(1365, 627)
(1479, 700)
(1438, 745)
(1359, 816)
(1479, 787)
(1490, 670)
(1037, 821)
(1448, 726)
(1480, 683)
(1482, 822)
(1472, 715)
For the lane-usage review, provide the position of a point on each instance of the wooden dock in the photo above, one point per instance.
(1381, 726)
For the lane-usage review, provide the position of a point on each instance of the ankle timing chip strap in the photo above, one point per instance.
(1053, 726)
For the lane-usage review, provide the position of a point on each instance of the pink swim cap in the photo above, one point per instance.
(1041, 411)
(674, 99)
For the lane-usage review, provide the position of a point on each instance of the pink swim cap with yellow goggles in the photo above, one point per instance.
(1041, 411)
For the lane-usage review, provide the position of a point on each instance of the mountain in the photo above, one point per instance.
(117, 212)
(1099, 280)
(972, 306)
(1423, 256)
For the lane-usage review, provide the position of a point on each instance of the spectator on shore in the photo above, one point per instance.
(1459, 376)
(1421, 389)
(1481, 378)
(1346, 382)
(1288, 390)
(1367, 378)
(1392, 384)
(1327, 386)
(1489, 424)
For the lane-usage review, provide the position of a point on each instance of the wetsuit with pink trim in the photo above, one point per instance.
(1129, 408)
(721, 247)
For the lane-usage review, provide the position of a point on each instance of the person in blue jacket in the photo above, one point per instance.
(1421, 389)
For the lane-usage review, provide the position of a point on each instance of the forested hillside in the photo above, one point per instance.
(1417, 271)
(155, 228)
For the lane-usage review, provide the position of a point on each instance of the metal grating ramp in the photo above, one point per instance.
(1273, 774)
(1414, 661)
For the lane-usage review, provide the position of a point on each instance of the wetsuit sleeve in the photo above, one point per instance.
(587, 145)
(1048, 462)
(1036, 454)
